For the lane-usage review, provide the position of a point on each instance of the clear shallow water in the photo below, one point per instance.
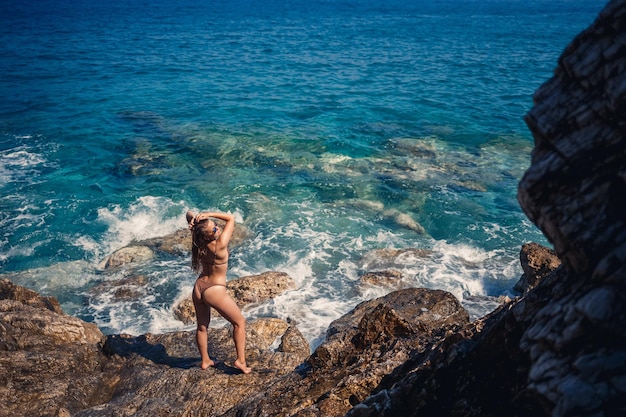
(331, 129)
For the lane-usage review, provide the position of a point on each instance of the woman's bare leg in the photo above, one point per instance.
(226, 306)
(203, 318)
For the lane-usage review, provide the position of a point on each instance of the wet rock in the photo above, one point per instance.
(177, 243)
(123, 289)
(260, 288)
(404, 219)
(385, 259)
(537, 263)
(388, 279)
(126, 294)
(126, 255)
(10, 291)
(250, 290)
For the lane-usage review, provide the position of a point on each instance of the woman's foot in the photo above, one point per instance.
(205, 365)
(242, 367)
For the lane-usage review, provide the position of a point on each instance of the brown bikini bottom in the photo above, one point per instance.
(202, 286)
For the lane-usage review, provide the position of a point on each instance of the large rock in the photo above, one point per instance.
(360, 350)
(50, 363)
(560, 349)
(10, 291)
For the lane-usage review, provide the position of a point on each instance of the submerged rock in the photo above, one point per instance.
(391, 278)
(127, 255)
(384, 259)
(176, 243)
(130, 288)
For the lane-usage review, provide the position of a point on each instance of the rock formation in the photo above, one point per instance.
(40, 350)
(56, 365)
(538, 262)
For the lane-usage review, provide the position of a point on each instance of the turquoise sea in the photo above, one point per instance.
(329, 128)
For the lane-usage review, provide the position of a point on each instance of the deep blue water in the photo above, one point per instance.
(330, 128)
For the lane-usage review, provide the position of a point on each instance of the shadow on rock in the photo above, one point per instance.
(127, 345)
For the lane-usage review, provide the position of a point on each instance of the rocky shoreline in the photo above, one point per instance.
(558, 349)
(57, 365)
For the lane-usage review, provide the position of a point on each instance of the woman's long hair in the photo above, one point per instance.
(199, 240)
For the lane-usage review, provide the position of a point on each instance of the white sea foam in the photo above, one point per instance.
(305, 306)
(54, 278)
(18, 164)
(314, 246)
(324, 261)
(148, 217)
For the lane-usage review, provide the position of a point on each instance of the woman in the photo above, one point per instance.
(209, 257)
